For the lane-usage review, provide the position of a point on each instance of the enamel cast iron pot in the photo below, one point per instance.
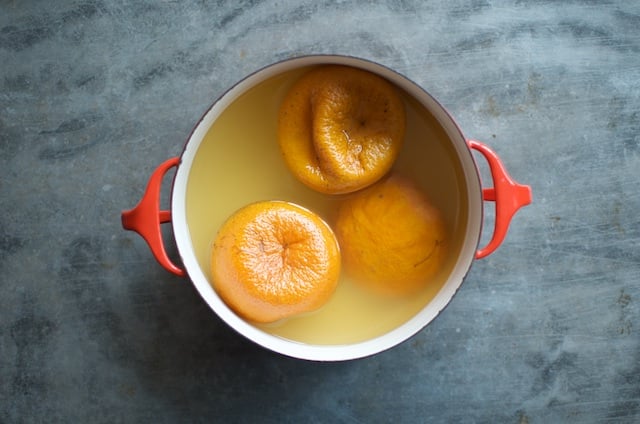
(147, 217)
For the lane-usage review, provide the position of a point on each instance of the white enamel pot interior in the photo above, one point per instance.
(364, 348)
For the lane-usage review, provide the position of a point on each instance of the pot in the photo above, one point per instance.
(197, 194)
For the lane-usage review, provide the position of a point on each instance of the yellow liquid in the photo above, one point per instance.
(239, 162)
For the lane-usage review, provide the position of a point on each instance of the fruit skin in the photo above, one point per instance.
(272, 260)
(340, 129)
(392, 239)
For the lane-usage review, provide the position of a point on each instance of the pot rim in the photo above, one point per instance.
(339, 352)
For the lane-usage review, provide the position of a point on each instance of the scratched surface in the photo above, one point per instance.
(94, 94)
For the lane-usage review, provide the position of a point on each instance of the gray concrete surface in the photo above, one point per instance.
(94, 94)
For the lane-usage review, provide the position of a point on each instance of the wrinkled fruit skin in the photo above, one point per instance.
(340, 129)
(273, 260)
(392, 239)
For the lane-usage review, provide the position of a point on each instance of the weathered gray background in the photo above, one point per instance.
(94, 94)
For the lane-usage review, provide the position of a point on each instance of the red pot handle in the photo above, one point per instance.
(508, 195)
(146, 217)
